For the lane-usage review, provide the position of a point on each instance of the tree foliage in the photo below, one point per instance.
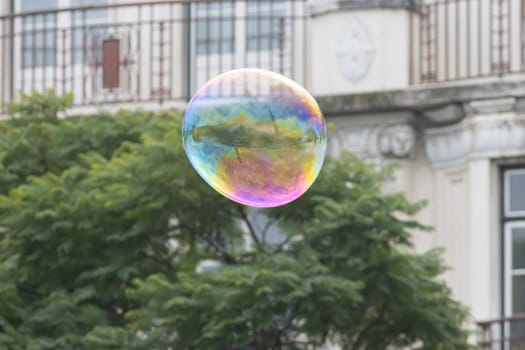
(104, 224)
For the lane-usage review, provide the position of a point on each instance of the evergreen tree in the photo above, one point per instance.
(105, 230)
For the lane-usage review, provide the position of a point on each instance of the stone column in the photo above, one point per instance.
(468, 224)
(358, 45)
(481, 252)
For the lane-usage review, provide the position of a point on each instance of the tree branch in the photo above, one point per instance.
(151, 257)
(43, 159)
(361, 337)
(251, 230)
(266, 227)
(228, 258)
(281, 246)
(30, 291)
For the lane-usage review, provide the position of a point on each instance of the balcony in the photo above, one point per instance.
(454, 40)
(154, 52)
(507, 333)
(159, 52)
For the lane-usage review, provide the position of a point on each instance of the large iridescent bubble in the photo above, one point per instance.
(255, 136)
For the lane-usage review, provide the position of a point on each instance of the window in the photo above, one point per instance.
(514, 247)
(88, 31)
(38, 36)
(233, 34)
(36, 5)
(215, 28)
(265, 25)
(99, 13)
(515, 192)
(40, 32)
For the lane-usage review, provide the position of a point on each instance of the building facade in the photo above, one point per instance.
(438, 86)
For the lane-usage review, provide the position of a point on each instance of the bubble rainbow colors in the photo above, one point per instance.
(255, 136)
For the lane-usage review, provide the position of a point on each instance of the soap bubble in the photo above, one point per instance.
(256, 137)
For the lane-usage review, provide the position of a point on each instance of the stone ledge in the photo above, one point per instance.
(422, 100)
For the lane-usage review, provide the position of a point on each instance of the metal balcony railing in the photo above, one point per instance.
(151, 51)
(506, 333)
(466, 39)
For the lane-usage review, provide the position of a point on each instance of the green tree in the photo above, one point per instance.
(104, 224)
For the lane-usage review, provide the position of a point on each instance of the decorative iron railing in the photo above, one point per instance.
(466, 39)
(160, 51)
(157, 51)
(506, 333)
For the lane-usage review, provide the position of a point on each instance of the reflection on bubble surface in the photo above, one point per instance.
(255, 136)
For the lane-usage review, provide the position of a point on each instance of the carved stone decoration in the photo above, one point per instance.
(479, 136)
(397, 141)
(355, 140)
(355, 50)
(374, 142)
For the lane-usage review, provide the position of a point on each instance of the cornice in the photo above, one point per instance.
(491, 129)
(490, 135)
(435, 105)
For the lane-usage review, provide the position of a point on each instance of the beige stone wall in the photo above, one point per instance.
(383, 38)
(454, 160)
(456, 168)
